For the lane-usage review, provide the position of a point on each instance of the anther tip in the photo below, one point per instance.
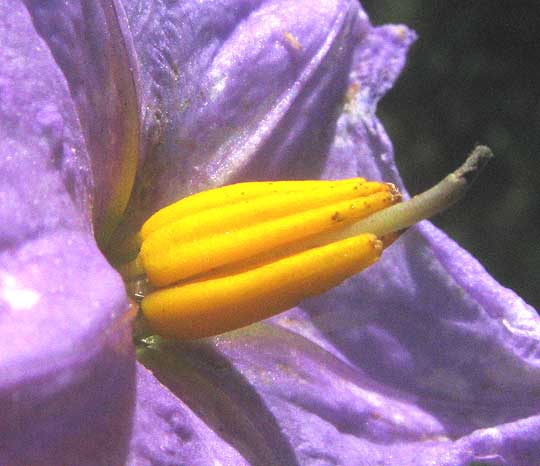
(378, 245)
(394, 191)
(390, 238)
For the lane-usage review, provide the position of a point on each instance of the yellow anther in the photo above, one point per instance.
(234, 193)
(228, 257)
(223, 302)
(233, 233)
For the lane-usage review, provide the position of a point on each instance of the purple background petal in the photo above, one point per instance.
(90, 41)
(422, 360)
(224, 82)
(66, 356)
(168, 432)
(279, 398)
(436, 324)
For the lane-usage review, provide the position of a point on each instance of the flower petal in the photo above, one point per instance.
(91, 44)
(276, 397)
(422, 360)
(436, 324)
(167, 431)
(66, 356)
(221, 83)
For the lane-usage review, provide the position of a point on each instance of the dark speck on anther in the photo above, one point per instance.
(337, 217)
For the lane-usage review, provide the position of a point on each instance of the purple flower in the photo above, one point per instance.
(110, 110)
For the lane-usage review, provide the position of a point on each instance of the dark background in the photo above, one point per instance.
(474, 76)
